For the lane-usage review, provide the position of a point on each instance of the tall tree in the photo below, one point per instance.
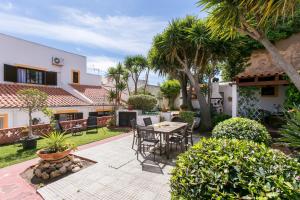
(135, 65)
(117, 74)
(229, 18)
(184, 42)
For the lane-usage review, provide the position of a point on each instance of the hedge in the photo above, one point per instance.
(142, 102)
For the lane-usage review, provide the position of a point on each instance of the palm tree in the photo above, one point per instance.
(135, 65)
(190, 53)
(229, 18)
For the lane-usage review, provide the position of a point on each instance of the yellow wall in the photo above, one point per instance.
(5, 117)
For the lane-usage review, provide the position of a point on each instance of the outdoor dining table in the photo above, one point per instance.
(166, 129)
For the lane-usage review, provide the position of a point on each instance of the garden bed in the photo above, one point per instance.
(29, 175)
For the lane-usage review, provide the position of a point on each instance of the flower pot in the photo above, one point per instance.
(130, 107)
(53, 156)
(29, 143)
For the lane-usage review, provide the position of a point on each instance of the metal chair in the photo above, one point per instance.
(146, 140)
(91, 125)
(189, 134)
(147, 121)
(133, 128)
(179, 138)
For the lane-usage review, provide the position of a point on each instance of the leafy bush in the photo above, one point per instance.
(292, 96)
(242, 128)
(57, 142)
(170, 89)
(291, 131)
(219, 117)
(187, 116)
(234, 169)
(142, 102)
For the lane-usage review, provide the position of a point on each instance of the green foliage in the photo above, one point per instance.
(57, 142)
(292, 97)
(187, 116)
(33, 99)
(242, 128)
(291, 131)
(234, 169)
(142, 102)
(170, 89)
(120, 77)
(219, 117)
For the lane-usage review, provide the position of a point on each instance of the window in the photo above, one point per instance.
(31, 76)
(269, 91)
(68, 116)
(75, 75)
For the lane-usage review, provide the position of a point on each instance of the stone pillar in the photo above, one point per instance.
(234, 100)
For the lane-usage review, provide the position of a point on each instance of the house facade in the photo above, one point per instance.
(72, 93)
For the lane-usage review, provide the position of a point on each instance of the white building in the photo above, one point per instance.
(72, 93)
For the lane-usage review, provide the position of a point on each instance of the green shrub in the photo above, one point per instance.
(219, 117)
(142, 102)
(291, 130)
(234, 169)
(187, 116)
(242, 128)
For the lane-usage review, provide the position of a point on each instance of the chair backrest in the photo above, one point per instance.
(91, 121)
(58, 127)
(147, 121)
(191, 128)
(133, 124)
(177, 119)
(145, 132)
(184, 130)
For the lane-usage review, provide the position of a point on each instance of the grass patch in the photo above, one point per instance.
(14, 153)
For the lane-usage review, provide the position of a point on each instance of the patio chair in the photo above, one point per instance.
(147, 121)
(179, 138)
(133, 128)
(146, 140)
(189, 134)
(91, 125)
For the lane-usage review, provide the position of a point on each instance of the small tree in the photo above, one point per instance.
(33, 100)
(170, 89)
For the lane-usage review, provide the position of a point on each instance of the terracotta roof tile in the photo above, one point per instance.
(95, 93)
(56, 96)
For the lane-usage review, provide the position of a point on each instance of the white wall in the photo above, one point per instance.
(15, 51)
(19, 118)
(267, 103)
(226, 90)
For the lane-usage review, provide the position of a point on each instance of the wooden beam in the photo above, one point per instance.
(264, 83)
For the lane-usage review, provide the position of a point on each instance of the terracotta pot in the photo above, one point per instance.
(130, 107)
(53, 156)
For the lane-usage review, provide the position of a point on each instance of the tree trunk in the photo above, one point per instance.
(279, 61)
(30, 134)
(135, 87)
(189, 98)
(205, 109)
(183, 84)
(146, 82)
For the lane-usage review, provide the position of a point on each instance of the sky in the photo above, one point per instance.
(105, 31)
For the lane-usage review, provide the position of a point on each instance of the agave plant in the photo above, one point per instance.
(291, 131)
(57, 142)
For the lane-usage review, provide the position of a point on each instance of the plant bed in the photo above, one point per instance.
(46, 172)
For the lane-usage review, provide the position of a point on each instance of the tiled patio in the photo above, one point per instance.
(116, 175)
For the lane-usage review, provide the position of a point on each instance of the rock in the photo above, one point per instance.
(70, 167)
(54, 174)
(38, 172)
(67, 164)
(58, 165)
(45, 176)
(80, 164)
(76, 169)
(63, 170)
(76, 160)
(71, 158)
(45, 165)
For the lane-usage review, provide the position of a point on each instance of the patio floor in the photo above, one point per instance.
(116, 175)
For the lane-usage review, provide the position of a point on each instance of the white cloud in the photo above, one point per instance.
(101, 63)
(7, 6)
(129, 35)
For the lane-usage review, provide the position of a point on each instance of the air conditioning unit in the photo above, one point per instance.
(57, 61)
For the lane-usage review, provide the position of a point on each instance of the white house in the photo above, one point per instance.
(72, 93)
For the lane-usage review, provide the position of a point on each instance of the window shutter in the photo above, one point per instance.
(51, 78)
(10, 73)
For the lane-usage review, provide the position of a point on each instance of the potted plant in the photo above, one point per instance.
(33, 100)
(57, 147)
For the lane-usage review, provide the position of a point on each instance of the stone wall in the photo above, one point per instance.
(12, 135)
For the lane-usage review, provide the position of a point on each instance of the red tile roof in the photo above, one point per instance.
(56, 96)
(97, 94)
